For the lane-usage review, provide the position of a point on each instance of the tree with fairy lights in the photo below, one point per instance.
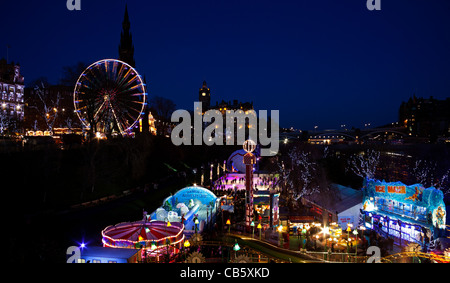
(300, 176)
(365, 164)
(444, 183)
(425, 172)
(4, 122)
(46, 107)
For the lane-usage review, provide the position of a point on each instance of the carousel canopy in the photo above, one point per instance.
(127, 234)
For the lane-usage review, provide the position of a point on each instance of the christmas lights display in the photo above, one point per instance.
(152, 235)
(410, 213)
(188, 206)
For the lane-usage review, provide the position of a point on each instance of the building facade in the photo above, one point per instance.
(227, 108)
(204, 96)
(11, 93)
(426, 118)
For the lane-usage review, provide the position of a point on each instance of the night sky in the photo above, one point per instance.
(320, 62)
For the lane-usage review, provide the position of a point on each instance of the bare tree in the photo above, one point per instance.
(46, 106)
(4, 122)
(162, 107)
(364, 165)
(300, 177)
(423, 172)
(70, 74)
(443, 183)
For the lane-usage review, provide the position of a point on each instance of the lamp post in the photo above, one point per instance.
(211, 174)
(259, 227)
(362, 228)
(253, 228)
(196, 224)
(236, 248)
(348, 234)
(280, 236)
(229, 225)
(355, 232)
(186, 245)
(325, 232)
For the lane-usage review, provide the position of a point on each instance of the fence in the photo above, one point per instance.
(338, 257)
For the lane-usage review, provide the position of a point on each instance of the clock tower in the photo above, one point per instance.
(204, 96)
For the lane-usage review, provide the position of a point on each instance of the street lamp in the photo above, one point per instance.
(325, 232)
(229, 225)
(186, 245)
(253, 228)
(196, 224)
(236, 248)
(259, 227)
(211, 173)
(355, 232)
(348, 234)
(280, 230)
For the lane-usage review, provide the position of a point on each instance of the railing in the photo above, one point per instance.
(399, 256)
(422, 217)
(338, 257)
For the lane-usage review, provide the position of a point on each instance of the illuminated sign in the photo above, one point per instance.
(380, 189)
(415, 202)
(397, 189)
(391, 189)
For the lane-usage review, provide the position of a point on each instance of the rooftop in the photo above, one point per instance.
(108, 252)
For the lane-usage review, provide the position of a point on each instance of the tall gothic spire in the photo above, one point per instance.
(126, 47)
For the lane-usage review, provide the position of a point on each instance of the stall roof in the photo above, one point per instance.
(346, 198)
(106, 252)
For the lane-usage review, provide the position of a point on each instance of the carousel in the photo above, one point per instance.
(154, 238)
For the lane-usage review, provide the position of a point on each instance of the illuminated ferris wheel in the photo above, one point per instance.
(110, 97)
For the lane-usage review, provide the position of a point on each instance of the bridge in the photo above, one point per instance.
(333, 136)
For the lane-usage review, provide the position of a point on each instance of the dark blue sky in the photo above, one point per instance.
(320, 62)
